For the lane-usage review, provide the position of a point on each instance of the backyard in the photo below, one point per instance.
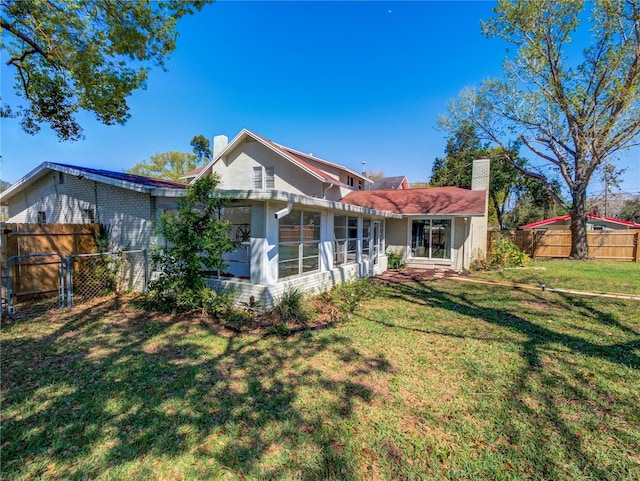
(432, 379)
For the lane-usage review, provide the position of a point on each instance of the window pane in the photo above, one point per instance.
(288, 268)
(257, 178)
(269, 178)
(310, 264)
(288, 252)
(440, 239)
(310, 249)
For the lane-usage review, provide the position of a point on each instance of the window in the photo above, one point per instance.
(269, 178)
(366, 229)
(431, 238)
(263, 178)
(42, 217)
(89, 216)
(257, 178)
(345, 235)
(60, 178)
(298, 243)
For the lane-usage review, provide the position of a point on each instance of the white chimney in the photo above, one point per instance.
(480, 178)
(480, 174)
(219, 143)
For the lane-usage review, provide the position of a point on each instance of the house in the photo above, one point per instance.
(386, 183)
(298, 221)
(594, 222)
(127, 204)
(302, 221)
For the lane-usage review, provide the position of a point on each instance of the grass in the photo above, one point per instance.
(594, 276)
(433, 380)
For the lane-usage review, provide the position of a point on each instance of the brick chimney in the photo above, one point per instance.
(480, 178)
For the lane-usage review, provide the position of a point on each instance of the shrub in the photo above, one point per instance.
(196, 240)
(395, 260)
(344, 299)
(290, 307)
(504, 253)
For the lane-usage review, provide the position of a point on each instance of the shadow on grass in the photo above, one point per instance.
(103, 393)
(542, 406)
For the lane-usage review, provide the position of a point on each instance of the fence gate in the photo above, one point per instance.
(95, 275)
(32, 284)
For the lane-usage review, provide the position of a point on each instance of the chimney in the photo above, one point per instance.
(219, 143)
(478, 226)
(480, 174)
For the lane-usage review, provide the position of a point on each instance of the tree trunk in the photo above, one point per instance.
(579, 247)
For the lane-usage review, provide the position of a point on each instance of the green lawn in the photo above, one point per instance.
(435, 380)
(595, 276)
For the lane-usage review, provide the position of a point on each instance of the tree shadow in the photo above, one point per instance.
(537, 407)
(102, 393)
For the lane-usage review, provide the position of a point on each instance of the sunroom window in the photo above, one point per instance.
(345, 235)
(299, 238)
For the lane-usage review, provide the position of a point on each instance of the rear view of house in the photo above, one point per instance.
(298, 221)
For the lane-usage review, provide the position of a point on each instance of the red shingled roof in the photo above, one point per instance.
(564, 218)
(432, 200)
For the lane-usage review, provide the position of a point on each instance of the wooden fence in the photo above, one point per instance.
(37, 275)
(621, 245)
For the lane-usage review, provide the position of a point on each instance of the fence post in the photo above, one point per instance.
(69, 281)
(636, 255)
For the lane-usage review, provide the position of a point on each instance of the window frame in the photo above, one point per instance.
(301, 252)
(427, 238)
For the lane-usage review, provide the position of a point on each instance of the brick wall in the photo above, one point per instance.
(127, 214)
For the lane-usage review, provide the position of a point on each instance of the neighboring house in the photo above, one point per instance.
(65, 194)
(594, 222)
(298, 221)
(386, 183)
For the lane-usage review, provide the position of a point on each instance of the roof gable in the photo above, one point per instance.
(429, 201)
(303, 161)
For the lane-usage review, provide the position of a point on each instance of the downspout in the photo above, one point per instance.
(324, 191)
(282, 212)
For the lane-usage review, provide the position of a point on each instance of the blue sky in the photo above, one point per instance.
(346, 81)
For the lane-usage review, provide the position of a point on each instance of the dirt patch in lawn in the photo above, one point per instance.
(398, 276)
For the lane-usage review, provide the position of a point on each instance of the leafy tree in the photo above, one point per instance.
(201, 147)
(85, 54)
(573, 113)
(166, 165)
(456, 169)
(631, 210)
(171, 165)
(195, 241)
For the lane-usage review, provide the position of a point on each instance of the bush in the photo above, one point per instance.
(395, 260)
(290, 307)
(344, 299)
(196, 241)
(504, 253)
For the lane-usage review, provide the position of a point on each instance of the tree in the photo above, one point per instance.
(196, 240)
(201, 147)
(456, 169)
(571, 115)
(86, 54)
(166, 165)
(171, 165)
(631, 210)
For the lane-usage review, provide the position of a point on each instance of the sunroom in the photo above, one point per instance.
(286, 241)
